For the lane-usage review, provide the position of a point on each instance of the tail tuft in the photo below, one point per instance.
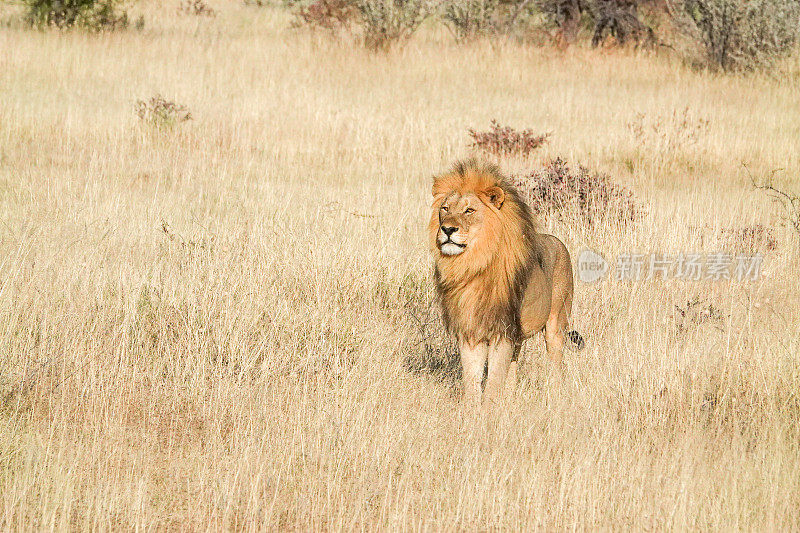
(575, 341)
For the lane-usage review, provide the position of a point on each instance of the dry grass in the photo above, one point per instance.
(207, 326)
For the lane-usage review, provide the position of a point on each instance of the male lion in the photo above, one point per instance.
(499, 280)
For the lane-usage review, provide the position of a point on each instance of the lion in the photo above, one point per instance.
(499, 281)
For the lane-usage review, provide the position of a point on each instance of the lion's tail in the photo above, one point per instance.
(575, 341)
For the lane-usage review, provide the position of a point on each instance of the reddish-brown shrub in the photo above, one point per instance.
(327, 14)
(504, 140)
(589, 195)
(749, 239)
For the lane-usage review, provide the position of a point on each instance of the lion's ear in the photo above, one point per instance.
(496, 196)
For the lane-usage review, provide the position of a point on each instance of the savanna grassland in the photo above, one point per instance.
(213, 324)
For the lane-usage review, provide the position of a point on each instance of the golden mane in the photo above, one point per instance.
(482, 289)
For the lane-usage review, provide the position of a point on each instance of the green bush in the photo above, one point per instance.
(95, 15)
(743, 34)
(472, 18)
(385, 22)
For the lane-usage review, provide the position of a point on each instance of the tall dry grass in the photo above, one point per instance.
(208, 325)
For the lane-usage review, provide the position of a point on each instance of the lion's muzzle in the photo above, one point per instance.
(448, 238)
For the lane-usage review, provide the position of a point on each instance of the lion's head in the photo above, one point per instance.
(484, 241)
(461, 216)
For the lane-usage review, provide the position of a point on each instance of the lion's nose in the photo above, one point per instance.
(449, 230)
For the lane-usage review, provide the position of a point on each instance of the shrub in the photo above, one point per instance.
(94, 15)
(620, 18)
(504, 140)
(197, 7)
(160, 112)
(472, 18)
(565, 15)
(788, 201)
(668, 132)
(382, 23)
(749, 239)
(743, 34)
(469, 18)
(386, 22)
(696, 313)
(590, 196)
(327, 14)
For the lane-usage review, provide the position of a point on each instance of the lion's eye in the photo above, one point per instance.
(444, 208)
(469, 211)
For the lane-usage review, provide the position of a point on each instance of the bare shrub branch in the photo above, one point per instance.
(788, 201)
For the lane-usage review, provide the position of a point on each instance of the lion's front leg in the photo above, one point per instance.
(500, 354)
(473, 362)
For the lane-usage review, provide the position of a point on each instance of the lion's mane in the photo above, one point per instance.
(482, 288)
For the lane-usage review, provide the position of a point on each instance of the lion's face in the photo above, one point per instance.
(460, 221)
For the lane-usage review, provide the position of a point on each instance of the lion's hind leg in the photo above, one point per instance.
(554, 336)
(574, 340)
